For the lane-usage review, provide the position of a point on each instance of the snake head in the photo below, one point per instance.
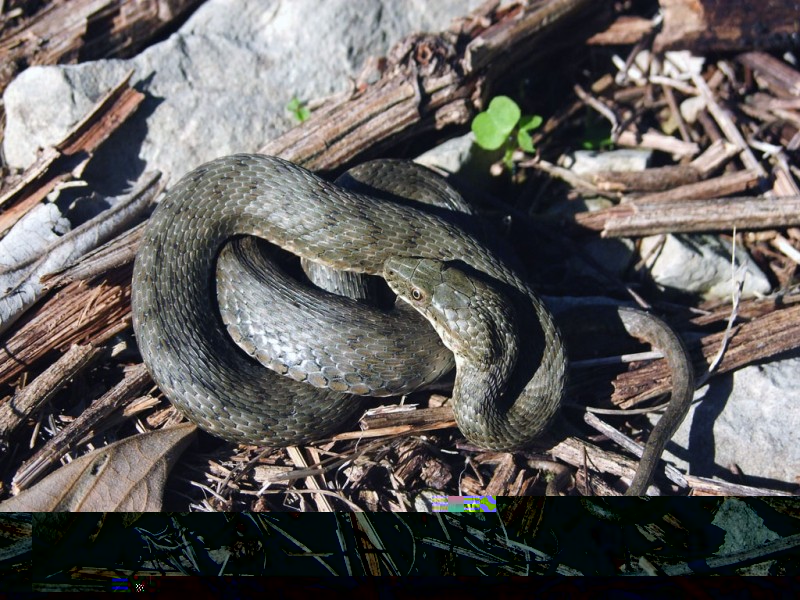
(475, 320)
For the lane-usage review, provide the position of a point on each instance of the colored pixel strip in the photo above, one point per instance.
(464, 504)
(137, 583)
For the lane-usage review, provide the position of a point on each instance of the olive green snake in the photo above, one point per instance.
(511, 363)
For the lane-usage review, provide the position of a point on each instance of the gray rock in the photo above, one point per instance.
(44, 103)
(748, 418)
(613, 255)
(467, 164)
(701, 264)
(452, 156)
(744, 529)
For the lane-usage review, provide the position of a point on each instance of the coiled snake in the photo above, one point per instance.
(201, 370)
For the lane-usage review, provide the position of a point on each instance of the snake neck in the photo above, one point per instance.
(503, 398)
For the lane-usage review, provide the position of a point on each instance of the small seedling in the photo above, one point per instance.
(597, 134)
(502, 125)
(298, 109)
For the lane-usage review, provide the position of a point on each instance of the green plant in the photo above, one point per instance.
(298, 109)
(502, 125)
(596, 133)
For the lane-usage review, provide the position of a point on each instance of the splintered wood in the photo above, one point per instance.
(66, 31)
(20, 193)
(79, 313)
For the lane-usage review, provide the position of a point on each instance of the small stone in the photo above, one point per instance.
(701, 264)
(586, 162)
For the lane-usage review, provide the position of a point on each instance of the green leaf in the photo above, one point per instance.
(493, 126)
(527, 124)
(508, 159)
(600, 144)
(597, 133)
(525, 142)
(530, 122)
(298, 109)
(504, 112)
(487, 134)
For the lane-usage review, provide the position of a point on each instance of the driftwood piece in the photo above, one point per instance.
(116, 253)
(776, 75)
(714, 157)
(627, 29)
(727, 125)
(724, 25)
(393, 420)
(724, 185)
(718, 311)
(637, 218)
(24, 283)
(657, 178)
(671, 176)
(66, 31)
(703, 486)
(657, 141)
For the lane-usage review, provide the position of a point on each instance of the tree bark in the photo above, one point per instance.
(66, 31)
(725, 25)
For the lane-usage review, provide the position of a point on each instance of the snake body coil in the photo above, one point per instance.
(202, 371)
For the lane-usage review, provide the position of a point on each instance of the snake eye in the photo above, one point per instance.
(416, 294)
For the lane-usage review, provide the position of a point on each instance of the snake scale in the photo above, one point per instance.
(206, 375)
(345, 342)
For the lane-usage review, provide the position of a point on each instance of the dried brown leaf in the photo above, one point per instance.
(129, 475)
